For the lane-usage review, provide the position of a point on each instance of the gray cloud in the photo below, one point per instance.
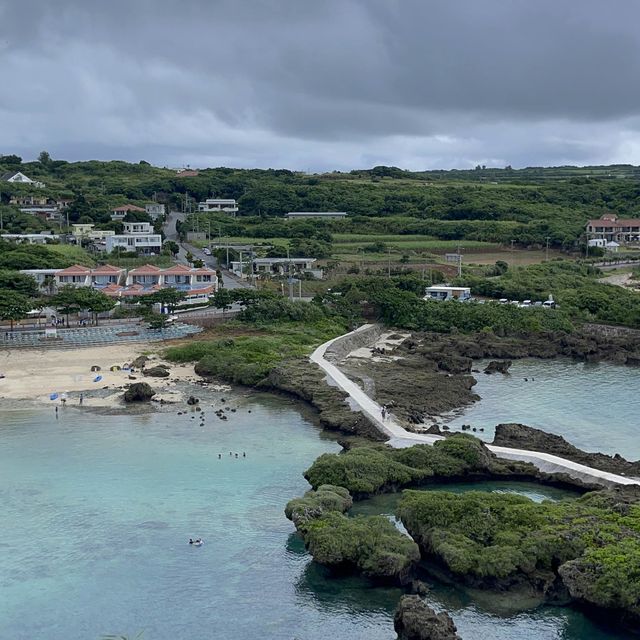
(332, 84)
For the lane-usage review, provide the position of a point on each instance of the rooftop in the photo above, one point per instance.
(316, 213)
(129, 207)
(75, 270)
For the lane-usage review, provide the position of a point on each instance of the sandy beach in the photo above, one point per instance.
(33, 375)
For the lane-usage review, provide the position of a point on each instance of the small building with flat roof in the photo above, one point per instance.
(319, 215)
(442, 292)
(278, 267)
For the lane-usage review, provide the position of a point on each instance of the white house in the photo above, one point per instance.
(445, 292)
(318, 215)
(30, 238)
(137, 227)
(219, 205)
(138, 237)
(278, 267)
(119, 213)
(19, 178)
(155, 210)
(150, 243)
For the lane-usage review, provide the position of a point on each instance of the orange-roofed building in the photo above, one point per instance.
(613, 229)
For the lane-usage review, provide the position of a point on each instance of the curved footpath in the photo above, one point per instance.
(400, 437)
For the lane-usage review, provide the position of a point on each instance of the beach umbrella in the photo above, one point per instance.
(97, 379)
(53, 396)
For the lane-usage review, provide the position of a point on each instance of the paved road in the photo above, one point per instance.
(230, 281)
(607, 266)
(400, 437)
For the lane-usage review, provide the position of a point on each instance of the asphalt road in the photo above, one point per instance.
(230, 281)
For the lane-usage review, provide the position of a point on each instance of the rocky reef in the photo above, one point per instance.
(498, 366)
(585, 550)
(304, 380)
(589, 347)
(138, 392)
(415, 620)
(520, 436)
(367, 470)
(370, 545)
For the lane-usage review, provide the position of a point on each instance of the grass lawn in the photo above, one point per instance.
(73, 252)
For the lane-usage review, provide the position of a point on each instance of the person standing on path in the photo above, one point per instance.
(384, 413)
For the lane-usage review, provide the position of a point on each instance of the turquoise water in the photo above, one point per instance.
(594, 406)
(97, 511)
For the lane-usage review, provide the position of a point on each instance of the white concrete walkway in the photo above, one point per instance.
(400, 437)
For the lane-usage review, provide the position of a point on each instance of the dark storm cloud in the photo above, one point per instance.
(331, 84)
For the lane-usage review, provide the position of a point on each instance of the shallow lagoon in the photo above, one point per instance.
(596, 407)
(97, 511)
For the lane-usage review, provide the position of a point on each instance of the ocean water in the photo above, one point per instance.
(596, 407)
(97, 511)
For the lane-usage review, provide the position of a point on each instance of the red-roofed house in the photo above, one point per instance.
(613, 229)
(147, 276)
(106, 275)
(197, 284)
(77, 275)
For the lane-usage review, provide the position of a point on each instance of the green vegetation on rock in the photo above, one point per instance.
(374, 469)
(589, 546)
(270, 332)
(369, 544)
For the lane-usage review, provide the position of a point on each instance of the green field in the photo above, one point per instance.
(350, 243)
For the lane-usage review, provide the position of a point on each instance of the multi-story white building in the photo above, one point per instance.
(140, 243)
(219, 205)
(138, 237)
(130, 228)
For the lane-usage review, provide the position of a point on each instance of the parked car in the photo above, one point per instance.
(206, 251)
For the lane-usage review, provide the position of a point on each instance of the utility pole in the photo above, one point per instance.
(547, 250)
(289, 276)
(389, 262)
(459, 261)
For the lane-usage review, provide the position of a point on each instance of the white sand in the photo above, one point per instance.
(32, 374)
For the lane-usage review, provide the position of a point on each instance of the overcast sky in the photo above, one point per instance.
(322, 84)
